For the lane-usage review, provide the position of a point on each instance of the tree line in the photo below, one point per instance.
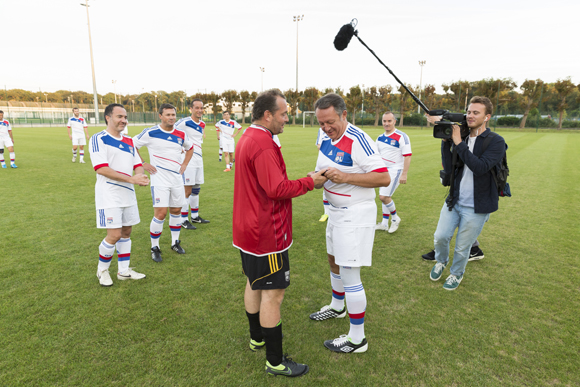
(531, 98)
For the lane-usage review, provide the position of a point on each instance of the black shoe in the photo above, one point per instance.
(287, 368)
(344, 345)
(475, 254)
(199, 219)
(430, 256)
(177, 247)
(188, 225)
(156, 254)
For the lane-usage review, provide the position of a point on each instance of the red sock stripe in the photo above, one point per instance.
(356, 315)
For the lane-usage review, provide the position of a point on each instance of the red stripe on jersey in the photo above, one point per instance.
(381, 170)
(179, 134)
(101, 166)
(407, 155)
(159, 157)
(335, 193)
(127, 140)
(395, 136)
(137, 166)
(345, 144)
(123, 173)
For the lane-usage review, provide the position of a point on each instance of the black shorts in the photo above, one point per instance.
(267, 271)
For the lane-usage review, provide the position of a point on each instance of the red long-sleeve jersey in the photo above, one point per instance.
(262, 219)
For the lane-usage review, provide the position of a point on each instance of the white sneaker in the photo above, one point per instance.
(81, 161)
(394, 225)
(130, 274)
(382, 226)
(104, 278)
(74, 159)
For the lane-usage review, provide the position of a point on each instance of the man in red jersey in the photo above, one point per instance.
(262, 226)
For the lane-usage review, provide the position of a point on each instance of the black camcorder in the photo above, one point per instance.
(443, 129)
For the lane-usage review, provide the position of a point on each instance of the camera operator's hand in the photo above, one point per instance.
(456, 135)
(433, 119)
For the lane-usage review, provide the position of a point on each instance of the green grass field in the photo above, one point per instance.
(514, 320)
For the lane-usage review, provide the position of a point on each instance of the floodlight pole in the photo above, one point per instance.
(262, 70)
(421, 63)
(95, 99)
(297, 19)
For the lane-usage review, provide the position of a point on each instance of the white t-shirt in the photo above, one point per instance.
(394, 148)
(194, 131)
(77, 125)
(466, 187)
(354, 152)
(227, 128)
(118, 154)
(164, 154)
(4, 128)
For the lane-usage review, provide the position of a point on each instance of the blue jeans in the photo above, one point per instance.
(468, 225)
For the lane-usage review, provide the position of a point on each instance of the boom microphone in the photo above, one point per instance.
(342, 40)
(344, 36)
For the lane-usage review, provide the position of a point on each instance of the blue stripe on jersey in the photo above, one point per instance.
(119, 185)
(389, 141)
(162, 135)
(405, 137)
(335, 154)
(145, 131)
(76, 119)
(165, 169)
(227, 124)
(361, 139)
(194, 126)
(123, 146)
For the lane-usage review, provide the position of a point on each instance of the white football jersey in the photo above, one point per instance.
(165, 150)
(4, 128)
(227, 128)
(118, 154)
(195, 133)
(394, 148)
(77, 125)
(321, 136)
(354, 152)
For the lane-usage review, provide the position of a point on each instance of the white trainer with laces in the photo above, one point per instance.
(130, 274)
(104, 277)
(382, 226)
(394, 225)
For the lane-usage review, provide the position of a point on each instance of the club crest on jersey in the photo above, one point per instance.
(179, 141)
(110, 220)
(339, 157)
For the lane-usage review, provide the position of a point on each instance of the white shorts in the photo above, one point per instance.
(5, 142)
(79, 140)
(351, 246)
(168, 196)
(118, 217)
(220, 141)
(228, 145)
(395, 181)
(193, 175)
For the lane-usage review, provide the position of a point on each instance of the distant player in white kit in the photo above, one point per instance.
(79, 136)
(6, 140)
(115, 159)
(194, 127)
(228, 130)
(395, 149)
(167, 164)
(353, 167)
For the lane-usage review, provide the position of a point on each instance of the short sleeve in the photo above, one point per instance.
(98, 152)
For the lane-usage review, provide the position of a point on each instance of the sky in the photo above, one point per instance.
(204, 46)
